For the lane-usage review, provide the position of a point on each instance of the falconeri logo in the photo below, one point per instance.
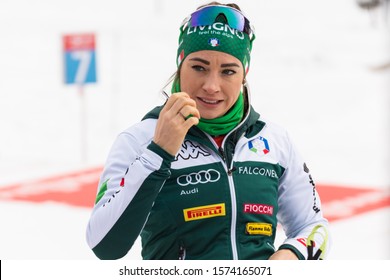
(259, 146)
(261, 171)
(204, 212)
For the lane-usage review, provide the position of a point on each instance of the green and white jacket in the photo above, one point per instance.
(206, 202)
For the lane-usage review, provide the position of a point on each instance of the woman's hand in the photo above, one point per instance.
(176, 118)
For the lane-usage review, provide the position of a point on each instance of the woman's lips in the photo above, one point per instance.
(209, 101)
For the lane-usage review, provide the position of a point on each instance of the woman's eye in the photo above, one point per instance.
(198, 68)
(228, 72)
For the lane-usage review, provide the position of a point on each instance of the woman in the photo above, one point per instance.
(203, 176)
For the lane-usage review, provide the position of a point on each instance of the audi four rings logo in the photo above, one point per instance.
(201, 177)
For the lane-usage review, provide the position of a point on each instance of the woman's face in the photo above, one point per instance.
(213, 79)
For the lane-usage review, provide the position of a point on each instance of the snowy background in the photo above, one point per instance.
(319, 68)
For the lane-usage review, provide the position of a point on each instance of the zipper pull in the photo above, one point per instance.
(230, 171)
(182, 252)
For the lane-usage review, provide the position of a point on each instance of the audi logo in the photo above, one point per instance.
(201, 177)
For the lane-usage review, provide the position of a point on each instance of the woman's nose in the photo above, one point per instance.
(212, 83)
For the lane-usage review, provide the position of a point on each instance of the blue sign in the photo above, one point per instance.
(80, 59)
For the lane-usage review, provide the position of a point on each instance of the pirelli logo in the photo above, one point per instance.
(204, 212)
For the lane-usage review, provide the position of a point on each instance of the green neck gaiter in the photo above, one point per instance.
(221, 125)
(224, 124)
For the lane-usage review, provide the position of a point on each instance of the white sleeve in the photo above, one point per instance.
(300, 212)
(134, 173)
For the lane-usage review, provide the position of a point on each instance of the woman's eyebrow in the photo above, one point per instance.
(230, 65)
(208, 62)
(201, 60)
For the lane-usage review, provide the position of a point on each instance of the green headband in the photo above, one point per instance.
(216, 37)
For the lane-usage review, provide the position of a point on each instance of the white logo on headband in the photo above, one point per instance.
(217, 28)
(214, 42)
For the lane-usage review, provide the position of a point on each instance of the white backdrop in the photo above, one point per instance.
(316, 70)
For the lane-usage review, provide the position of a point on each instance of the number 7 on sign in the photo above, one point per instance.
(84, 58)
(79, 54)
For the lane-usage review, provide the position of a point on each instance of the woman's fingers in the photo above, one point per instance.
(176, 118)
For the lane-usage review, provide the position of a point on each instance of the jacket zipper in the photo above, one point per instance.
(232, 190)
(233, 225)
(222, 153)
(229, 171)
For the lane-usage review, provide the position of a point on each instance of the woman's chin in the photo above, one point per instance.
(208, 116)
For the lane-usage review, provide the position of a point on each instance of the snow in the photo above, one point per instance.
(315, 70)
